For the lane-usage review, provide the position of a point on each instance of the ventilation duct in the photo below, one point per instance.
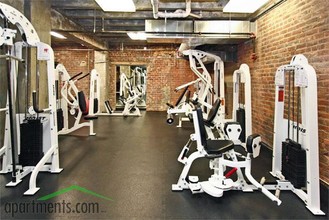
(198, 32)
(179, 13)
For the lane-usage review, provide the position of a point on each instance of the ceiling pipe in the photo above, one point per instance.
(179, 13)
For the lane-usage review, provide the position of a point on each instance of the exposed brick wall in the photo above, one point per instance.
(295, 27)
(76, 61)
(164, 73)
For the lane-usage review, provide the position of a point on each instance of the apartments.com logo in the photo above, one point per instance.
(63, 207)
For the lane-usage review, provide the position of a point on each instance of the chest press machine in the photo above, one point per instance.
(30, 141)
(206, 90)
(72, 100)
(130, 95)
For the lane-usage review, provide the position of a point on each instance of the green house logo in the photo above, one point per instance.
(73, 187)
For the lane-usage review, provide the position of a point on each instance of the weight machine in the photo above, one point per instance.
(295, 151)
(241, 111)
(94, 96)
(30, 141)
(206, 91)
(139, 80)
(220, 150)
(182, 108)
(74, 101)
(130, 95)
(221, 154)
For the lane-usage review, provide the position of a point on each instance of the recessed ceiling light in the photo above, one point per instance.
(117, 5)
(137, 35)
(58, 35)
(244, 6)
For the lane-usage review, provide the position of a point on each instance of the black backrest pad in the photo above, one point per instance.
(181, 96)
(202, 128)
(249, 143)
(213, 111)
(82, 101)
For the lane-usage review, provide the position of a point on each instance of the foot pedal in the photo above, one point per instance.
(211, 190)
(195, 188)
(194, 184)
(193, 179)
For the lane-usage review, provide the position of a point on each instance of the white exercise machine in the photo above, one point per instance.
(295, 144)
(30, 139)
(73, 101)
(241, 111)
(129, 95)
(139, 80)
(207, 90)
(222, 155)
(94, 94)
(182, 108)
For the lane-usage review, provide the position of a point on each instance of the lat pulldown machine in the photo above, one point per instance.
(74, 99)
(295, 151)
(33, 147)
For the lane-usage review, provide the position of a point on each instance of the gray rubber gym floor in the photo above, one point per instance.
(133, 162)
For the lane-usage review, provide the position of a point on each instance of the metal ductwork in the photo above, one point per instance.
(196, 33)
(179, 13)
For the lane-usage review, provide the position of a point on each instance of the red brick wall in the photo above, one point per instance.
(76, 61)
(164, 73)
(295, 27)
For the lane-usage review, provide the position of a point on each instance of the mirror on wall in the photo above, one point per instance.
(130, 77)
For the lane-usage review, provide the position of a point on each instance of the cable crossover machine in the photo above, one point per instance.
(296, 145)
(30, 139)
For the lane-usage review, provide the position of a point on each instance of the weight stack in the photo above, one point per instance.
(241, 118)
(294, 163)
(31, 142)
(60, 119)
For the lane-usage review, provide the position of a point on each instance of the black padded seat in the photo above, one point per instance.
(218, 146)
(82, 102)
(249, 143)
(90, 117)
(212, 147)
(212, 113)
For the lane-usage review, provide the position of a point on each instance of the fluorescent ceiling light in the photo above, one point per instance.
(58, 35)
(137, 35)
(244, 6)
(117, 5)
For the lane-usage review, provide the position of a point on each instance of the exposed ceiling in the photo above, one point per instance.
(83, 21)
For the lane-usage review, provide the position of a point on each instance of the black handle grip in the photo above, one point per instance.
(34, 102)
(75, 76)
(83, 76)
